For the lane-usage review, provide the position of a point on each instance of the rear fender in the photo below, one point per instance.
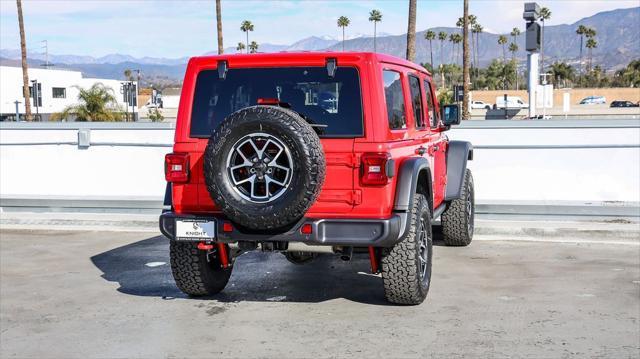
(414, 176)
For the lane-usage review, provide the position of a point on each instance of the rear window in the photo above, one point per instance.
(332, 103)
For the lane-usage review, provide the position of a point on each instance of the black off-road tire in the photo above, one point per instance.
(401, 265)
(193, 273)
(308, 167)
(458, 219)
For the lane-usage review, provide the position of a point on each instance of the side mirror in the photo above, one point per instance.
(451, 115)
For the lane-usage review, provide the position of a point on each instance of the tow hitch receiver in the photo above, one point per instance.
(222, 252)
(205, 247)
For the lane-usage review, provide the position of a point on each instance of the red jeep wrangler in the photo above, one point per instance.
(308, 153)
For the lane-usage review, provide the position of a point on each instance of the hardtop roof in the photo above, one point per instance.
(314, 55)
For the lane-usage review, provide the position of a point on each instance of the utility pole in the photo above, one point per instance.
(411, 31)
(25, 67)
(46, 64)
(466, 81)
(219, 26)
(35, 92)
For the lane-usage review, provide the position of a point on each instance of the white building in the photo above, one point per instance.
(58, 89)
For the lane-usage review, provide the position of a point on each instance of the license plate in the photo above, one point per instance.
(195, 230)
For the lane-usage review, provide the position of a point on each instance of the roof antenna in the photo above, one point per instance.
(222, 69)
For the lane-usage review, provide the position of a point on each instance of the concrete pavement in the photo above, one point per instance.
(80, 294)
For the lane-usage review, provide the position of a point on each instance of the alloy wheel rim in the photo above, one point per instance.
(260, 167)
(424, 249)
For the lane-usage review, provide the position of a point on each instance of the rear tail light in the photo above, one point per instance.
(268, 101)
(374, 169)
(176, 167)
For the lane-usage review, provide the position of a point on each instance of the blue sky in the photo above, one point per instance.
(163, 28)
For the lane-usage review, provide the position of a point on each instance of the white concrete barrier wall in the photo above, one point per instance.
(514, 162)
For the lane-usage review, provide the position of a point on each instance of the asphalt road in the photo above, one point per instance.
(109, 294)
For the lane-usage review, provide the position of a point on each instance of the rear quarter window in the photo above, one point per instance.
(394, 98)
(333, 104)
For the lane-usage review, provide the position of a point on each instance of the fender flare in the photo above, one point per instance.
(458, 153)
(407, 186)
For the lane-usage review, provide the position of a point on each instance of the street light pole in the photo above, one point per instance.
(35, 93)
(17, 110)
(531, 15)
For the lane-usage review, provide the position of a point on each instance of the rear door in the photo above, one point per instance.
(437, 146)
(332, 104)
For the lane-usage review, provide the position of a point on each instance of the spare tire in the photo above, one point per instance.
(264, 167)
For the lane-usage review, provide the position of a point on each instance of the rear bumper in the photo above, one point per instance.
(325, 232)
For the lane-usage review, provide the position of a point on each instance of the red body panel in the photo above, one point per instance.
(342, 195)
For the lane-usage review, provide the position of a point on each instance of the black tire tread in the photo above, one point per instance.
(454, 218)
(193, 274)
(400, 269)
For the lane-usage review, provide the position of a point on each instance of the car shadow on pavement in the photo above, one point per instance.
(142, 269)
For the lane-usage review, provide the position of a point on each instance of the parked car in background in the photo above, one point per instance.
(512, 102)
(594, 100)
(620, 103)
(478, 105)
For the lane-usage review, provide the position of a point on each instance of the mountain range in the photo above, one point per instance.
(617, 35)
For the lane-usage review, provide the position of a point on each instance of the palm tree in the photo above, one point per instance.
(513, 48)
(343, 22)
(477, 29)
(219, 25)
(472, 21)
(128, 75)
(253, 47)
(97, 103)
(442, 36)
(458, 41)
(25, 68)
(545, 14)
(246, 26)
(240, 47)
(515, 33)
(452, 40)
(591, 44)
(465, 62)
(581, 31)
(411, 31)
(560, 71)
(375, 16)
(430, 36)
(502, 40)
